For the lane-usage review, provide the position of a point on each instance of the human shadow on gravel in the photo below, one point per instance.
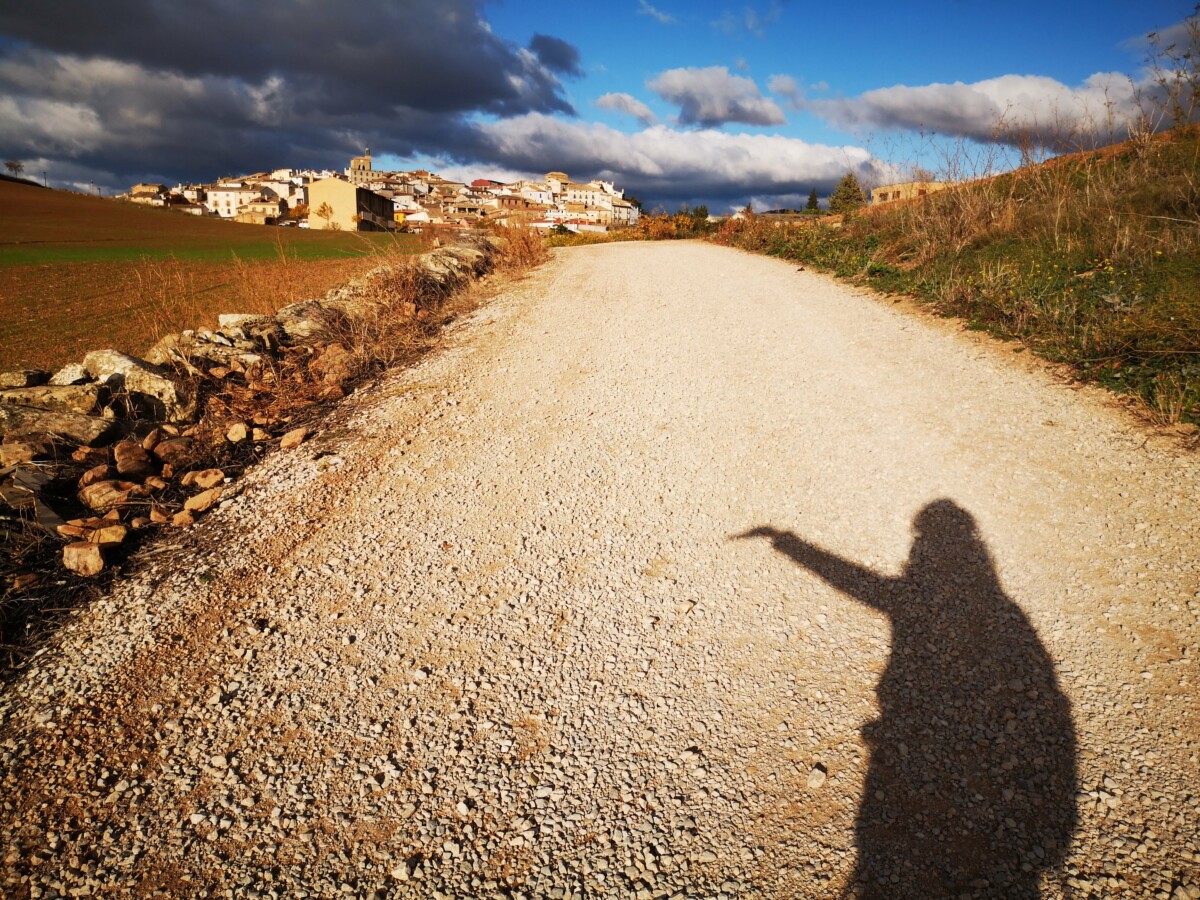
(971, 785)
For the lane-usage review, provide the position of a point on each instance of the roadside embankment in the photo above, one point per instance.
(108, 451)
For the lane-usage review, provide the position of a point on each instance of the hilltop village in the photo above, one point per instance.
(361, 198)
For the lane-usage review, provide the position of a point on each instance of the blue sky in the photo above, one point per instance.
(875, 45)
(714, 102)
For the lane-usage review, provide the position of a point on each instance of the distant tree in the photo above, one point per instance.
(634, 202)
(15, 166)
(847, 196)
(700, 213)
(813, 203)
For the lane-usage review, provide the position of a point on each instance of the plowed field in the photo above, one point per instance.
(78, 273)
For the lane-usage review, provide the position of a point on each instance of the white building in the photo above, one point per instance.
(225, 200)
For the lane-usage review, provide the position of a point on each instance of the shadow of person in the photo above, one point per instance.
(971, 784)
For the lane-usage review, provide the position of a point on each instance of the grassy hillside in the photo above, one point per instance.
(1091, 259)
(79, 272)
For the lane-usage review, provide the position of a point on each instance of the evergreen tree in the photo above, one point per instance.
(813, 203)
(847, 196)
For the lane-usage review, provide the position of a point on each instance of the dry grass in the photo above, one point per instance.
(524, 248)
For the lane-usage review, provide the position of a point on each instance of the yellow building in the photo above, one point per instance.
(360, 171)
(907, 190)
(337, 205)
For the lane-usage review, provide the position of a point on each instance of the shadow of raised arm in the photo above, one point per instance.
(850, 578)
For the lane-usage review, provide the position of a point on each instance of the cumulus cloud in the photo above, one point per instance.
(1011, 108)
(645, 9)
(629, 105)
(669, 165)
(712, 96)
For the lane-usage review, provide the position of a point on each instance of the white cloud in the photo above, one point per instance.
(629, 105)
(458, 171)
(50, 125)
(711, 96)
(645, 9)
(1011, 108)
(789, 89)
(673, 164)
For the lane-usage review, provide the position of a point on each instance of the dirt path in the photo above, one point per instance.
(678, 574)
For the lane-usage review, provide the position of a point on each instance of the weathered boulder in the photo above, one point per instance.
(16, 452)
(178, 452)
(160, 353)
(258, 331)
(203, 501)
(155, 391)
(233, 358)
(20, 420)
(293, 438)
(102, 472)
(107, 531)
(334, 364)
(475, 260)
(110, 534)
(24, 378)
(307, 319)
(81, 399)
(84, 558)
(244, 321)
(203, 478)
(26, 450)
(103, 496)
(133, 461)
(72, 373)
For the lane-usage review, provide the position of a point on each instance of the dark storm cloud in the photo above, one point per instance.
(556, 54)
(209, 87)
(432, 55)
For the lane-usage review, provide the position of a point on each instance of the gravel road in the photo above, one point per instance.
(677, 573)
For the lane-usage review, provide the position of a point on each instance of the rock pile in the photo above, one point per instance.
(117, 444)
